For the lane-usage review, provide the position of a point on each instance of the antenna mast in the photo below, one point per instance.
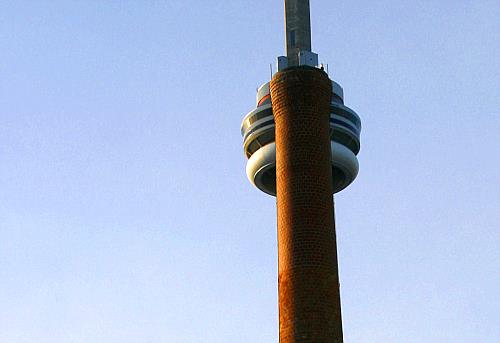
(297, 29)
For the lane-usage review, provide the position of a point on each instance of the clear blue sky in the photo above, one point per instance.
(125, 213)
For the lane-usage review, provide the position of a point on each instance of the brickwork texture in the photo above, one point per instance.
(308, 282)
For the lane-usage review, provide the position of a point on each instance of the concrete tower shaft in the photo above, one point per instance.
(308, 282)
(298, 29)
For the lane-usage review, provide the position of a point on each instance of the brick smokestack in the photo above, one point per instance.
(309, 299)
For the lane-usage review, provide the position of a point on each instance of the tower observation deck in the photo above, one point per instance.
(302, 143)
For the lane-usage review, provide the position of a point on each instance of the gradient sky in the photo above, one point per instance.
(125, 213)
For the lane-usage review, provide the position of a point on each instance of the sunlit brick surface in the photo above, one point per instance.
(309, 300)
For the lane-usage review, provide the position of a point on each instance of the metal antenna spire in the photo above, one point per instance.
(298, 29)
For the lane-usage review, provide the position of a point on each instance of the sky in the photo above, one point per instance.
(125, 212)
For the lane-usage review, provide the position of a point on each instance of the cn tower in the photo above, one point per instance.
(301, 142)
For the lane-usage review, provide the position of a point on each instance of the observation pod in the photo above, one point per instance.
(259, 144)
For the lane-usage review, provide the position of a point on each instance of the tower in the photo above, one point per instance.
(301, 142)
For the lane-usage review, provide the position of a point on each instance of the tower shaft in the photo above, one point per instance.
(298, 29)
(309, 299)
